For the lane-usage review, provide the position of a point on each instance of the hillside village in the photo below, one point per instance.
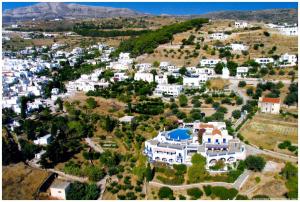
(139, 124)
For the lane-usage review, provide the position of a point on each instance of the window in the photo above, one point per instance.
(217, 140)
(208, 140)
(224, 140)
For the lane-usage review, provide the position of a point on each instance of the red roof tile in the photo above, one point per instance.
(216, 131)
(271, 100)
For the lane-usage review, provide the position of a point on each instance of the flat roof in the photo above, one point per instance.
(60, 184)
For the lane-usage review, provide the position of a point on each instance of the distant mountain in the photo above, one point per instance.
(267, 16)
(43, 11)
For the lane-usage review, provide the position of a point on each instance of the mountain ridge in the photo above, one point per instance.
(43, 11)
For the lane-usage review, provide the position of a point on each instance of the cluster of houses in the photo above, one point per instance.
(211, 140)
(285, 29)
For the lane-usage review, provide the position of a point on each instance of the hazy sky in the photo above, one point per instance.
(177, 8)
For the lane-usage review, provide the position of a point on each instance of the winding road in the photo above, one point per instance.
(237, 184)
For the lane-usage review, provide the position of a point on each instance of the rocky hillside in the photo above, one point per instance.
(54, 10)
(267, 16)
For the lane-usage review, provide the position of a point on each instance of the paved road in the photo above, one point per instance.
(102, 185)
(241, 180)
(94, 145)
(253, 150)
(234, 87)
(237, 184)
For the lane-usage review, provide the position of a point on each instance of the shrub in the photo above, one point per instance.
(267, 34)
(261, 197)
(208, 190)
(223, 193)
(241, 197)
(242, 84)
(236, 114)
(180, 168)
(181, 197)
(165, 192)
(255, 163)
(195, 193)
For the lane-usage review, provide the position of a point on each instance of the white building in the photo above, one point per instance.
(289, 30)
(225, 73)
(164, 65)
(120, 76)
(59, 189)
(126, 119)
(240, 24)
(288, 60)
(39, 155)
(161, 78)
(241, 71)
(264, 61)
(199, 71)
(168, 90)
(238, 47)
(211, 62)
(269, 105)
(144, 76)
(218, 36)
(143, 66)
(178, 146)
(195, 82)
(45, 140)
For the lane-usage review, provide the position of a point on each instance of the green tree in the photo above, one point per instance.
(242, 84)
(183, 100)
(195, 193)
(182, 70)
(236, 114)
(255, 163)
(218, 68)
(91, 103)
(149, 173)
(165, 192)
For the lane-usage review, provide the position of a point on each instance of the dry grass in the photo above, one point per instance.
(217, 84)
(270, 184)
(21, 182)
(270, 130)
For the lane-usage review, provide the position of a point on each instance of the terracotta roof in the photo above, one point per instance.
(216, 131)
(203, 125)
(271, 100)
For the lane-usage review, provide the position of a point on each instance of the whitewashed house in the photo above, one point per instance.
(238, 47)
(143, 66)
(240, 24)
(144, 76)
(164, 65)
(225, 73)
(161, 78)
(39, 155)
(168, 90)
(264, 61)
(45, 140)
(218, 36)
(241, 71)
(288, 60)
(211, 62)
(194, 82)
(289, 30)
(59, 189)
(269, 105)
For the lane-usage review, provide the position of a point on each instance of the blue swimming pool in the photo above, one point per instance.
(179, 134)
